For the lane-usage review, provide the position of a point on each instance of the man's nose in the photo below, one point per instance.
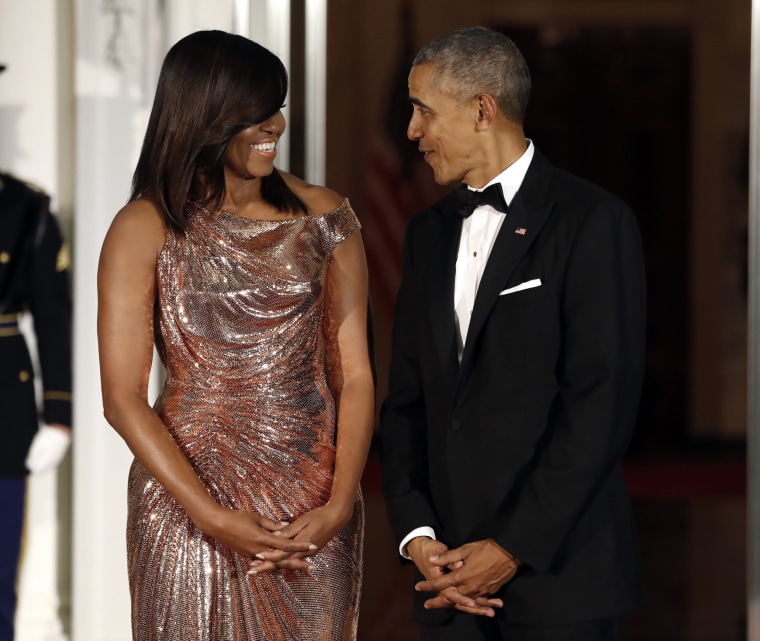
(413, 131)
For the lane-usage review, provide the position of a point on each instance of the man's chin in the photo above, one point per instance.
(443, 180)
(447, 181)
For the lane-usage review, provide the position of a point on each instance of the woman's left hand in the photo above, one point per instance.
(317, 527)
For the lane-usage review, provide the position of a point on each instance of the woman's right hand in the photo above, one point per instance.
(249, 534)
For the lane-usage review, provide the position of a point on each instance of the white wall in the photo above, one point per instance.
(29, 100)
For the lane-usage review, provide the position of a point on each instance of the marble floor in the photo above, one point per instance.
(692, 522)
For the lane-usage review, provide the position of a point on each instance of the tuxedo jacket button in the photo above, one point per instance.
(456, 424)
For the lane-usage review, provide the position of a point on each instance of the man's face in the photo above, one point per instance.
(443, 126)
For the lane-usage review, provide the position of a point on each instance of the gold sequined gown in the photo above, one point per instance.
(239, 329)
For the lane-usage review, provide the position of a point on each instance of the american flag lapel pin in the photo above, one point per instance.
(521, 231)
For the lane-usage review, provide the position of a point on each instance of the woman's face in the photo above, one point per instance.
(251, 153)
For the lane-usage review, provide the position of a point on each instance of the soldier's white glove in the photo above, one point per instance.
(48, 448)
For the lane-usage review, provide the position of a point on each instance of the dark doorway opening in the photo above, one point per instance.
(611, 104)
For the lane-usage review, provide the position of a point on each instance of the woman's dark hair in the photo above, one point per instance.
(212, 86)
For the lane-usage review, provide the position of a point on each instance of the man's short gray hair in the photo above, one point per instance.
(476, 60)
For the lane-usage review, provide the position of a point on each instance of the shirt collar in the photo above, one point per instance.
(511, 178)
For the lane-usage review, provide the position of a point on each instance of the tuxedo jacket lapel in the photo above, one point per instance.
(528, 212)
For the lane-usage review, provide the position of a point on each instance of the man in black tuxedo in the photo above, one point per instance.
(518, 356)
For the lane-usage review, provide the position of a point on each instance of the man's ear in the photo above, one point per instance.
(487, 110)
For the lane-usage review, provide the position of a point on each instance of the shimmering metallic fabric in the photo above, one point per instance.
(239, 328)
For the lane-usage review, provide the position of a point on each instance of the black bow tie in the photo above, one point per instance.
(467, 199)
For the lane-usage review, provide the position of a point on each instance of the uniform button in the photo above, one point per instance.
(456, 424)
(5, 257)
(23, 376)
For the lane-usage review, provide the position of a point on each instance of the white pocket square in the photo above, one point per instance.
(528, 284)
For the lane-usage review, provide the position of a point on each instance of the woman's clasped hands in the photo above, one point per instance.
(295, 542)
(274, 544)
(257, 537)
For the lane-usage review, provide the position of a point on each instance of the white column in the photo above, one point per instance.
(117, 44)
(316, 90)
(269, 25)
(753, 357)
(186, 16)
(32, 103)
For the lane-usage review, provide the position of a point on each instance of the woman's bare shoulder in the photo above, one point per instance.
(139, 225)
(142, 212)
(319, 200)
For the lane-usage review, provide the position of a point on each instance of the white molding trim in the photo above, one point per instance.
(753, 355)
(316, 90)
(269, 25)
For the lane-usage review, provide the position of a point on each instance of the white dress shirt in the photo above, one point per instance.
(479, 231)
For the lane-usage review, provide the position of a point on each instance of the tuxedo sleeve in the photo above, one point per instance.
(599, 373)
(402, 417)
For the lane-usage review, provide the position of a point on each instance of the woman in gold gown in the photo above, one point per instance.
(245, 515)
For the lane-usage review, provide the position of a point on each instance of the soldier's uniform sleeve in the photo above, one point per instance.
(50, 303)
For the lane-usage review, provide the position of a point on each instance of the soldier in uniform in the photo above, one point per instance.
(33, 279)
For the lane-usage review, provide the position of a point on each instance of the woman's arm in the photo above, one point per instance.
(126, 296)
(349, 368)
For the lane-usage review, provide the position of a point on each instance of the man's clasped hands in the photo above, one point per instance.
(463, 577)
